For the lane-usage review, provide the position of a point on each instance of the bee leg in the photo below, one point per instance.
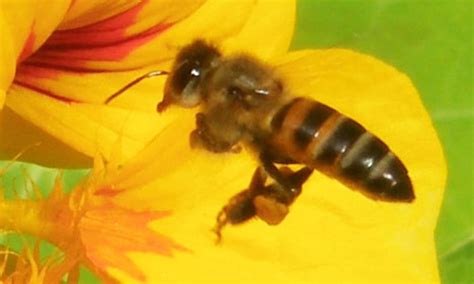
(240, 207)
(274, 172)
(220, 223)
(257, 184)
(272, 206)
(296, 179)
(202, 137)
(238, 210)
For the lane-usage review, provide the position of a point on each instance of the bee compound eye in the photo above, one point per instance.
(185, 74)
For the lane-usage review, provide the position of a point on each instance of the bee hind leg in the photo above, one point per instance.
(289, 181)
(276, 174)
(240, 207)
(272, 205)
(221, 221)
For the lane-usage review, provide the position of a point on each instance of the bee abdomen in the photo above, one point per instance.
(338, 146)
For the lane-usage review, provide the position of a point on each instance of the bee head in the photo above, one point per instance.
(191, 65)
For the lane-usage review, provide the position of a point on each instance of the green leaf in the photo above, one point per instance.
(458, 262)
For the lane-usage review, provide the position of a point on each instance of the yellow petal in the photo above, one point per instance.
(89, 129)
(246, 26)
(84, 12)
(279, 18)
(23, 30)
(7, 61)
(332, 234)
(63, 103)
(22, 20)
(25, 26)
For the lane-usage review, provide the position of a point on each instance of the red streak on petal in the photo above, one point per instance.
(28, 46)
(105, 40)
(31, 71)
(122, 20)
(44, 92)
(103, 32)
(40, 79)
(71, 50)
(114, 51)
(61, 64)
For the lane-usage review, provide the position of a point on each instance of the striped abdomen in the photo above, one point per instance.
(318, 136)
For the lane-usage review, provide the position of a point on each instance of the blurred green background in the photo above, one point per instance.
(431, 41)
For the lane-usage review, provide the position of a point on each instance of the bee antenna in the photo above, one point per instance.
(134, 82)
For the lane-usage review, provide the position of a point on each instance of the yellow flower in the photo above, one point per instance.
(332, 235)
(56, 71)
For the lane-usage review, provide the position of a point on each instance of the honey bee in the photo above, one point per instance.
(243, 101)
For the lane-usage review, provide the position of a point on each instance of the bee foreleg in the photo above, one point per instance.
(203, 137)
